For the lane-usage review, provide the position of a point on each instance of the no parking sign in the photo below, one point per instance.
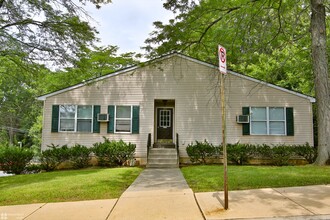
(222, 59)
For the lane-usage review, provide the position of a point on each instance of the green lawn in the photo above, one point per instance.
(71, 185)
(210, 178)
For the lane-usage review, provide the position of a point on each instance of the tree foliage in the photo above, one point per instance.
(18, 106)
(44, 31)
(91, 63)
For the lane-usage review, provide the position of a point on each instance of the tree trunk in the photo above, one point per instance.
(321, 79)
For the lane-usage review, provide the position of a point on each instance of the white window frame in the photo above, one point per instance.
(75, 119)
(268, 121)
(128, 119)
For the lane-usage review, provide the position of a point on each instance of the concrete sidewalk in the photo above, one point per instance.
(309, 202)
(164, 194)
(93, 209)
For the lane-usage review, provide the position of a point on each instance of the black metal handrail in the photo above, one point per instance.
(177, 147)
(148, 145)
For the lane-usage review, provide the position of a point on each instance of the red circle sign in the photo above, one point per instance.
(222, 55)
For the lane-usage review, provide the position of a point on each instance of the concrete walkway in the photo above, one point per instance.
(158, 194)
(164, 194)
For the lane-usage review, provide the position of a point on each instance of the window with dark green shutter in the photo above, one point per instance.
(124, 119)
(55, 118)
(73, 118)
(269, 121)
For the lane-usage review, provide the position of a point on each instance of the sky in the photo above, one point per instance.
(127, 23)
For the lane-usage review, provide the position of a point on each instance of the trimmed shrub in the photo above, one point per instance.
(103, 152)
(79, 156)
(15, 159)
(199, 151)
(306, 151)
(54, 156)
(113, 153)
(281, 155)
(264, 151)
(240, 153)
(32, 168)
(123, 151)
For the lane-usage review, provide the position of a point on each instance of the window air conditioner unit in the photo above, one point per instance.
(242, 119)
(102, 117)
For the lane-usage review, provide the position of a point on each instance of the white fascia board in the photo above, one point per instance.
(197, 61)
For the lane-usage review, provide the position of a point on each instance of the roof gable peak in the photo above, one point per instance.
(163, 57)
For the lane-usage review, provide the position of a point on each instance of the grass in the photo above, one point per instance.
(209, 178)
(71, 185)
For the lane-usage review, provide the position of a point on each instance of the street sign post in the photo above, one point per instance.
(223, 70)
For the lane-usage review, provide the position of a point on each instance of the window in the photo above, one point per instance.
(165, 118)
(123, 119)
(268, 121)
(276, 121)
(77, 118)
(84, 118)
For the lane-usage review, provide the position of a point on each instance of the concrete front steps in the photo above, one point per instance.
(162, 158)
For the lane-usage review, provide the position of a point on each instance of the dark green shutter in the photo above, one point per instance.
(111, 124)
(289, 122)
(246, 126)
(136, 120)
(55, 118)
(96, 124)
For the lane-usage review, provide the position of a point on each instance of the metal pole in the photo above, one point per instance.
(223, 114)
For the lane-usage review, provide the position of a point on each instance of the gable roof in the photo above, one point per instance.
(173, 54)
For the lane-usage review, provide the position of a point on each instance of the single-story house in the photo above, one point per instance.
(173, 101)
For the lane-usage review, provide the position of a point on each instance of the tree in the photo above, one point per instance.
(102, 60)
(18, 106)
(321, 78)
(267, 39)
(44, 31)
(91, 63)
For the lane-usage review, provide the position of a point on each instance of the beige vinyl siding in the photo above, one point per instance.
(195, 89)
(245, 93)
